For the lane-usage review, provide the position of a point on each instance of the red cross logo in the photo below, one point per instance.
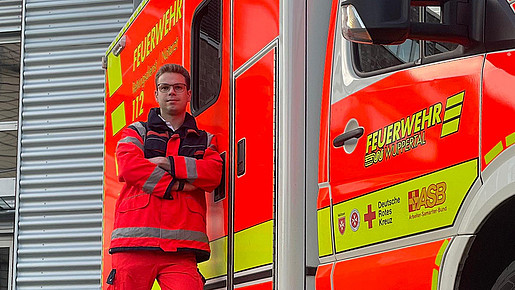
(370, 216)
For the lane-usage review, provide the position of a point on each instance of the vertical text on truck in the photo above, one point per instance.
(383, 162)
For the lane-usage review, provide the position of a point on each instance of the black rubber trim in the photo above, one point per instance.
(253, 277)
(216, 285)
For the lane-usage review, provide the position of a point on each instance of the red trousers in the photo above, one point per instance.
(138, 269)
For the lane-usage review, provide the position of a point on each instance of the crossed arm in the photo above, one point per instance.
(160, 175)
(164, 163)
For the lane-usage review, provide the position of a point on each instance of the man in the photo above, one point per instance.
(167, 164)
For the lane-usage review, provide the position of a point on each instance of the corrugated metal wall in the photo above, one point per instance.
(60, 190)
(10, 16)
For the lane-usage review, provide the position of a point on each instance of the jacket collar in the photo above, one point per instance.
(157, 124)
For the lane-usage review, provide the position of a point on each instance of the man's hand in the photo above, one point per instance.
(189, 187)
(162, 162)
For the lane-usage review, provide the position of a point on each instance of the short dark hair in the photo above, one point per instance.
(174, 68)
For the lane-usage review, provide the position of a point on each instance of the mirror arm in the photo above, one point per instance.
(440, 32)
(427, 2)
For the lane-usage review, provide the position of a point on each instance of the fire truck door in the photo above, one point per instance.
(254, 188)
(410, 143)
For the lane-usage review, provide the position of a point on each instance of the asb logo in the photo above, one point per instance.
(341, 225)
(427, 197)
(354, 220)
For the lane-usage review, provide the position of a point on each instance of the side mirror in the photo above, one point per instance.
(376, 21)
(388, 21)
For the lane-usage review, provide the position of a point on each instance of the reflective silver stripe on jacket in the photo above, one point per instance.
(132, 140)
(153, 179)
(209, 139)
(142, 131)
(144, 232)
(191, 169)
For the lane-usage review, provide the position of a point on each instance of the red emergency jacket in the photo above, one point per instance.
(149, 215)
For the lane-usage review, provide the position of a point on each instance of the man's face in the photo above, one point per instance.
(168, 93)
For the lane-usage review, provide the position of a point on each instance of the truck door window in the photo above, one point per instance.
(206, 68)
(375, 57)
(370, 58)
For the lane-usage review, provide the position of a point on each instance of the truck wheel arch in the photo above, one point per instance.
(491, 219)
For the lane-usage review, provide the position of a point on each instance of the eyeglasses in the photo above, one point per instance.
(177, 88)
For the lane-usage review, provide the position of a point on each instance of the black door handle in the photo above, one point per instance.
(240, 157)
(220, 190)
(354, 133)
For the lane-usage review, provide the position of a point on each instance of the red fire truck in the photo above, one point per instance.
(367, 144)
